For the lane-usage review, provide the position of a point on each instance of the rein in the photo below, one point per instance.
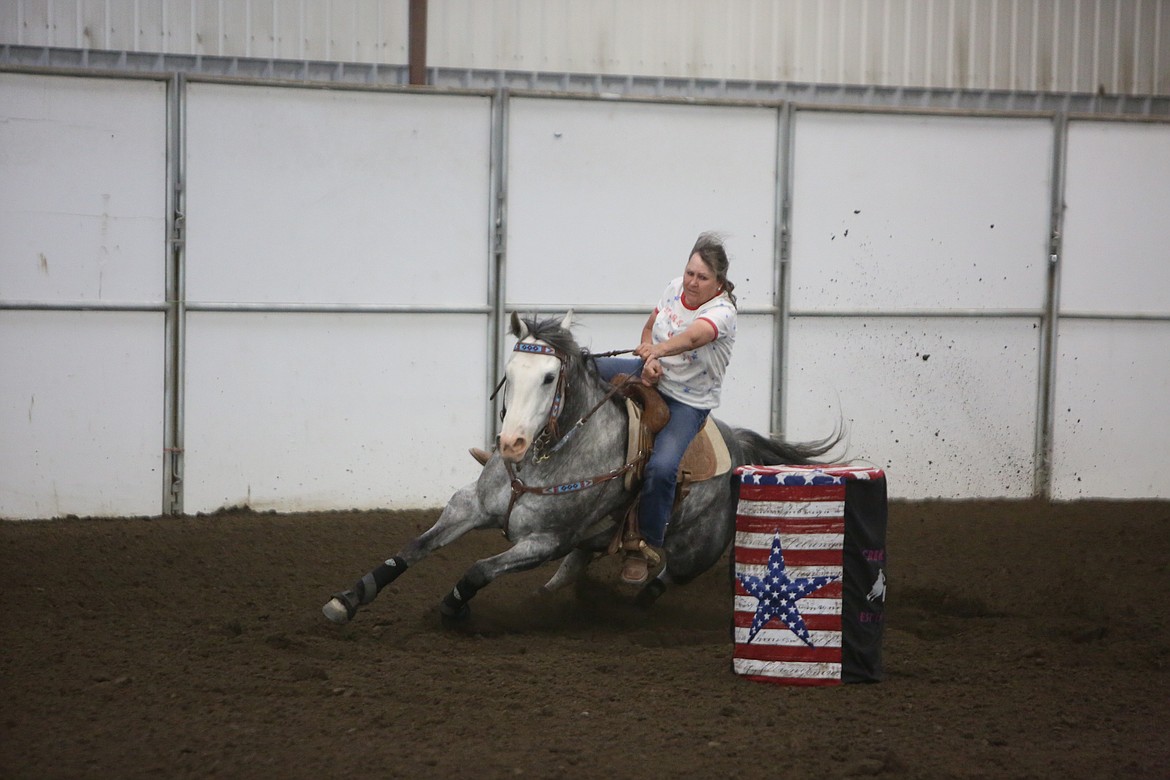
(519, 488)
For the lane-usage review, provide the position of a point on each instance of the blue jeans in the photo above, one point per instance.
(661, 474)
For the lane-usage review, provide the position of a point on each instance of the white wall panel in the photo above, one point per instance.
(1111, 434)
(81, 413)
(324, 411)
(605, 200)
(946, 406)
(82, 189)
(300, 195)
(911, 212)
(747, 394)
(1116, 231)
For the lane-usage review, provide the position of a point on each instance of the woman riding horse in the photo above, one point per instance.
(685, 348)
(555, 493)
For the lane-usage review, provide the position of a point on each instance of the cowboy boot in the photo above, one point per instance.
(635, 568)
(637, 556)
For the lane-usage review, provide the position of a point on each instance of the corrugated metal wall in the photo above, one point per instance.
(1082, 46)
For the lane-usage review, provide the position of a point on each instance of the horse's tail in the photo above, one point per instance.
(773, 451)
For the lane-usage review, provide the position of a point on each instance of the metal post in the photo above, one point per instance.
(781, 257)
(174, 328)
(1046, 393)
(498, 242)
(417, 43)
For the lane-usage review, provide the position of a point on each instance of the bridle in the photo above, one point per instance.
(551, 431)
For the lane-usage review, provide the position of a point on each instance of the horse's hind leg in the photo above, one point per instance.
(526, 554)
(461, 515)
(576, 561)
(569, 570)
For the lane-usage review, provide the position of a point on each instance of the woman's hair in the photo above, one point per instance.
(709, 248)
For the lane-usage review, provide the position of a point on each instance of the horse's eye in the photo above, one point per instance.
(548, 378)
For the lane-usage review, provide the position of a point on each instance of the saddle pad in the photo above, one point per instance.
(706, 457)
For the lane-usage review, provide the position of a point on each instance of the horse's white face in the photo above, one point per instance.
(528, 394)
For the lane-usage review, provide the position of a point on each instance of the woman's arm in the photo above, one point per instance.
(699, 333)
(651, 370)
(648, 328)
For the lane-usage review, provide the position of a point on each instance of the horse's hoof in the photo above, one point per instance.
(341, 608)
(649, 594)
(454, 617)
(335, 611)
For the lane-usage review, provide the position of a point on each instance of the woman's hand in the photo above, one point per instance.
(651, 372)
(649, 351)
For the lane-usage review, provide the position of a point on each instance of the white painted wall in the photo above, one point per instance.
(316, 196)
(300, 196)
(366, 199)
(946, 405)
(82, 189)
(302, 412)
(82, 204)
(604, 207)
(81, 413)
(896, 212)
(947, 216)
(1113, 377)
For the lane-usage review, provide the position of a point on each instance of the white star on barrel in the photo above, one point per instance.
(777, 595)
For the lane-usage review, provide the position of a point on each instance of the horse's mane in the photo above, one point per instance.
(550, 331)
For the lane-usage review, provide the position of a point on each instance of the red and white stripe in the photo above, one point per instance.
(811, 522)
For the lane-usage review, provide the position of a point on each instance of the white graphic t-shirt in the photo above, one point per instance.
(696, 377)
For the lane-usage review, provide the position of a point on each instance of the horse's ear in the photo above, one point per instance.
(519, 327)
(567, 322)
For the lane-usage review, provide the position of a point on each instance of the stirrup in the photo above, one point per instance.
(635, 546)
(481, 456)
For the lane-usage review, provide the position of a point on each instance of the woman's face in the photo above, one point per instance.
(699, 282)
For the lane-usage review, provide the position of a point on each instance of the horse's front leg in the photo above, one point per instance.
(463, 513)
(528, 553)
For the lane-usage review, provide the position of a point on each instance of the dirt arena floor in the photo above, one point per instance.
(1023, 640)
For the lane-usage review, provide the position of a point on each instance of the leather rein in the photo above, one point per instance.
(551, 430)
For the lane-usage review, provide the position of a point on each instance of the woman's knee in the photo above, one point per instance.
(659, 472)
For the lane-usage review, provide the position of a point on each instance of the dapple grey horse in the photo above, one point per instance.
(554, 484)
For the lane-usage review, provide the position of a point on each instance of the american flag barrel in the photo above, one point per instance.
(810, 561)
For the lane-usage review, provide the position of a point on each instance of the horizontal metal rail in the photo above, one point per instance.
(977, 314)
(81, 306)
(249, 308)
(1114, 315)
(544, 308)
(598, 308)
(920, 313)
(333, 308)
(614, 86)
